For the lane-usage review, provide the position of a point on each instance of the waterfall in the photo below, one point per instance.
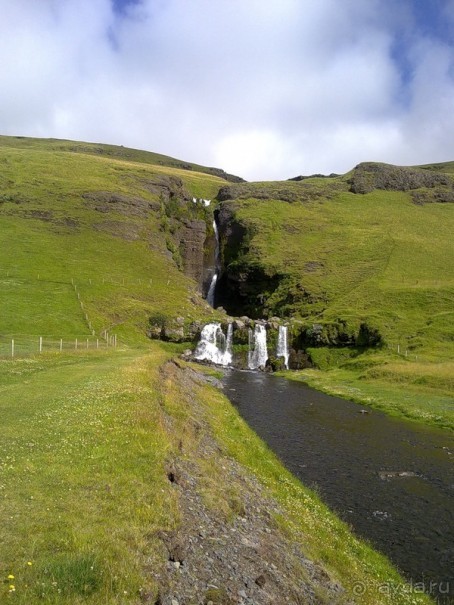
(214, 346)
(229, 344)
(282, 345)
(217, 261)
(211, 291)
(258, 352)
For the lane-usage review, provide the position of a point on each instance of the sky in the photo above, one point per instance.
(265, 89)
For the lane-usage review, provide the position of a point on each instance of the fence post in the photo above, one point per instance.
(12, 347)
(87, 343)
(40, 344)
(97, 343)
(61, 345)
(76, 343)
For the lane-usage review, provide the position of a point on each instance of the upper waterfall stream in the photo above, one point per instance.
(212, 289)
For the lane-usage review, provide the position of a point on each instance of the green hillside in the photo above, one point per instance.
(362, 265)
(106, 454)
(71, 217)
(329, 255)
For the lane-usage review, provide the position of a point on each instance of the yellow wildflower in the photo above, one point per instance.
(10, 577)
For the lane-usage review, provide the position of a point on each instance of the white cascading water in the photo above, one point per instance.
(212, 289)
(214, 346)
(258, 352)
(282, 345)
(214, 279)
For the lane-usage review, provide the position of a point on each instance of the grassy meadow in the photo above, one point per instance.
(84, 491)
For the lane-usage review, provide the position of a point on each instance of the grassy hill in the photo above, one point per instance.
(92, 439)
(84, 215)
(329, 253)
(347, 258)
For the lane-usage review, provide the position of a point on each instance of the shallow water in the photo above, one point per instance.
(391, 480)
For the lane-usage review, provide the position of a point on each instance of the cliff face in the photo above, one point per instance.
(191, 237)
(243, 286)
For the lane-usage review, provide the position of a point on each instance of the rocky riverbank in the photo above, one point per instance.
(237, 555)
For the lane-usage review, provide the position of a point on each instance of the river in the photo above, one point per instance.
(391, 480)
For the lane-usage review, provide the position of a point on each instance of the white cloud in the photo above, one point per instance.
(265, 90)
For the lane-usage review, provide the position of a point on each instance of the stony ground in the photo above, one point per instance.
(245, 559)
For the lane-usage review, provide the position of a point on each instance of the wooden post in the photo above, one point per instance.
(97, 343)
(40, 344)
(398, 348)
(12, 347)
(87, 343)
(76, 344)
(61, 345)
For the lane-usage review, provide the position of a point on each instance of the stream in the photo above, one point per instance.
(391, 480)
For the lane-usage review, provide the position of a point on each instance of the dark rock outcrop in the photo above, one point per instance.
(314, 176)
(191, 237)
(127, 205)
(370, 175)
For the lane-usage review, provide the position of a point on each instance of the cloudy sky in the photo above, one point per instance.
(267, 89)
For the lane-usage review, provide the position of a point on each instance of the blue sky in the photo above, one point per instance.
(266, 90)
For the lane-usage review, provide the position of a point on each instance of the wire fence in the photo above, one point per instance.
(24, 346)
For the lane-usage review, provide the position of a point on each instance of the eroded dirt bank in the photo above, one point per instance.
(229, 547)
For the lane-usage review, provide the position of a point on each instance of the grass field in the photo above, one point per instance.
(84, 489)
(83, 481)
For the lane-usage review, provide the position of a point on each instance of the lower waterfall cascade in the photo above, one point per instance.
(282, 345)
(258, 351)
(214, 345)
